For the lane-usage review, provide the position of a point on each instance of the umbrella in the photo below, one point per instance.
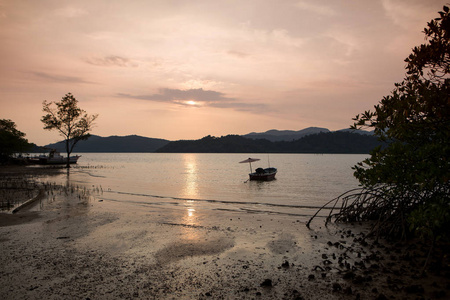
(249, 160)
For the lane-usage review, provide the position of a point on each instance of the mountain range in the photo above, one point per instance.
(274, 135)
(323, 142)
(129, 143)
(308, 140)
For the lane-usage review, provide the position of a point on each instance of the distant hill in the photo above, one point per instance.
(308, 140)
(285, 135)
(356, 131)
(332, 142)
(129, 143)
(274, 135)
(323, 142)
(226, 144)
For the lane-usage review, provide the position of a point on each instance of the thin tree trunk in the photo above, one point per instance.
(68, 154)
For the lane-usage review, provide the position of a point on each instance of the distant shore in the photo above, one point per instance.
(92, 248)
(344, 142)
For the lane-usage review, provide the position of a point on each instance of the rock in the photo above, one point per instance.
(349, 275)
(285, 264)
(266, 283)
(311, 277)
(318, 268)
(358, 279)
(337, 287)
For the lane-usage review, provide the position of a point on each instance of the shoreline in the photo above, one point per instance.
(98, 249)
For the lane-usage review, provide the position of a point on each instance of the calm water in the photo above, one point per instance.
(217, 181)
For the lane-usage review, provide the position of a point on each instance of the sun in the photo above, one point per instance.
(191, 102)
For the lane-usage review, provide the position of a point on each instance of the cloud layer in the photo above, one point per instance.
(226, 64)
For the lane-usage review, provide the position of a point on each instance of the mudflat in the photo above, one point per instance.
(69, 247)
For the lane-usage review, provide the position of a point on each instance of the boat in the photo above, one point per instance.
(260, 173)
(263, 174)
(53, 158)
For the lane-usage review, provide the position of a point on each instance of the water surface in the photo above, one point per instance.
(217, 181)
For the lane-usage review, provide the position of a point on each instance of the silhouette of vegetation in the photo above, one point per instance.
(130, 143)
(69, 120)
(11, 140)
(330, 142)
(406, 188)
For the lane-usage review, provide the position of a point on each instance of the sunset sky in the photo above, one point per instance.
(186, 69)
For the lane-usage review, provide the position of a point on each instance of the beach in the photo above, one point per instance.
(67, 246)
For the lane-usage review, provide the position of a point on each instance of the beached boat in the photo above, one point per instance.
(53, 158)
(260, 173)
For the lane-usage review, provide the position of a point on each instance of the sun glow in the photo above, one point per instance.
(191, 102)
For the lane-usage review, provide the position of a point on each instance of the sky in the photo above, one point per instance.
(184, 69)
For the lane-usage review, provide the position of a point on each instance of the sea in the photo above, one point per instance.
(304, 182)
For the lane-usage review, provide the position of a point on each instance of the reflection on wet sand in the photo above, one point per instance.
(188, 248)
(190, 232)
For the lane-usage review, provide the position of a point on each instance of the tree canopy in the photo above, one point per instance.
(406, 184)
(72, 122)
(11, 140)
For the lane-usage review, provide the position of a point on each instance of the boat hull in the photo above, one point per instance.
(53, 161)
(62, 161)
(264, 175)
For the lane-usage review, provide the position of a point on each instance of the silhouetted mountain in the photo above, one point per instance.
(285, 135)
(356, 131)
(225, 144)
(332, 142)
(129, 143)
(324, 142)
(37, 149)
(312, 140)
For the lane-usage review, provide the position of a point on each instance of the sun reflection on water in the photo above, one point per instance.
(190, 212)
(190, 191)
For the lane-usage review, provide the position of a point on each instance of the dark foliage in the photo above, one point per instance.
(11, 140)
(131, 143)
(406, 185)
(331, 142)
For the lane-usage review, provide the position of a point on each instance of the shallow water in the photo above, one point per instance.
(216, 181)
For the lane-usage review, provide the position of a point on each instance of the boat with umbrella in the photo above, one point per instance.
(260, 173)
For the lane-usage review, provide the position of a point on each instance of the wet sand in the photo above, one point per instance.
(96, 249)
